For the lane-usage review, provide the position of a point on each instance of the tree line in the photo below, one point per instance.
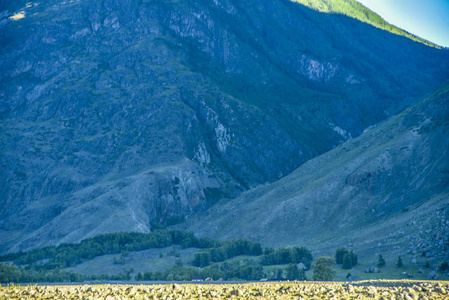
(293, 255)
(234, 270)
(71, 254)
(225, 251)
(49, 264)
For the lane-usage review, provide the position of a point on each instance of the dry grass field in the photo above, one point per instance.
(402, 289)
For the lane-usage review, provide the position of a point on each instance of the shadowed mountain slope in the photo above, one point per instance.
(117, 115)
(387, 188)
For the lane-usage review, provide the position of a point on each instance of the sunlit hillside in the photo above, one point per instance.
(358, 11)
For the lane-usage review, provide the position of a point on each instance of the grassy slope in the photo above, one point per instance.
(358, 11)
(377, 192)
(139, 261)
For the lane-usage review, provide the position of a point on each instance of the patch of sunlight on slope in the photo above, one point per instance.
(356, 10)
(18, 16)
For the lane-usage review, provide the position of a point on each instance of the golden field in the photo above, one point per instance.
(268, 290)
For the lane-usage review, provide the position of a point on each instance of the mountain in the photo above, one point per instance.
(387, 190)
(121, 115)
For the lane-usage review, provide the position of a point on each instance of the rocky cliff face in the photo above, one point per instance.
(385, 191)
(119, 114)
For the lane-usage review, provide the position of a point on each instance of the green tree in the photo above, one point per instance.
(178, 262)
(292, 272)
(279, 274)
(139, 277)
(340, 255)
(148, 276)
(347, 262)
(202, 259)
(323, 269)
(9, 273)
(381, 261)
(301, 255)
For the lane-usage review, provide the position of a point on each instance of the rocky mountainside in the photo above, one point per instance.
(387, 190)
(118, 115)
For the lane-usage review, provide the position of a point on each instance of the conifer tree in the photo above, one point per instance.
(399, 264)
(381, 261)
(347, 262)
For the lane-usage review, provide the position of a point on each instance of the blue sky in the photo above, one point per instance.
(428, 19)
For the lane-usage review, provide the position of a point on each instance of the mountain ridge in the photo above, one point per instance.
(139, 112)
(357, 10)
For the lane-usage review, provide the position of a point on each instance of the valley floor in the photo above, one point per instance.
(380, 289)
